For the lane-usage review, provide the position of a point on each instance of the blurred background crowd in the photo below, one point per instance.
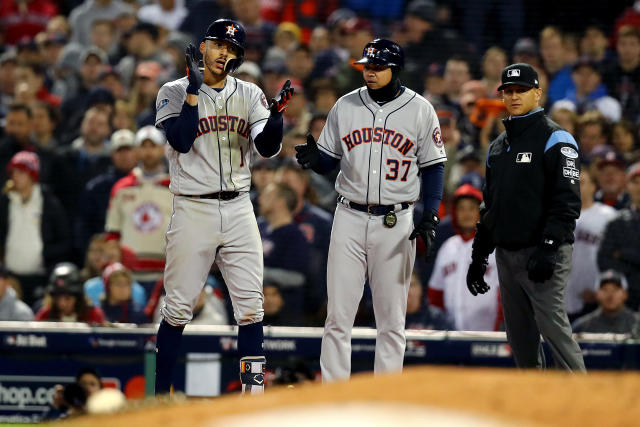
(85, 200)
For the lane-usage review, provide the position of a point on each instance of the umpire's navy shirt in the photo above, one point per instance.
(532, 189)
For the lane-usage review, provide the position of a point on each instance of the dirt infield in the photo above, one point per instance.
(509, 396)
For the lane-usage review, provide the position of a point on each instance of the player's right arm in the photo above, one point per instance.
(181, 127)
(323, 156)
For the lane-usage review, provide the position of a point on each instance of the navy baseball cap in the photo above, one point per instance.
(520, 74)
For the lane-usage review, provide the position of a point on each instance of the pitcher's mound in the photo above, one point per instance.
(435, 396)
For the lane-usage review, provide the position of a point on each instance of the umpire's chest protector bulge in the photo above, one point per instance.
(533, 173)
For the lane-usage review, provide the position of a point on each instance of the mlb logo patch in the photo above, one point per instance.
(513, 73)
(523, 158)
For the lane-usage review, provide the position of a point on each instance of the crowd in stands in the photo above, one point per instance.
(85, 200)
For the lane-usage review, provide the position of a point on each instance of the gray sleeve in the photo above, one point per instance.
(169, 102)
(259, 108)
(329, 141)
(430, 148)
(22, 312)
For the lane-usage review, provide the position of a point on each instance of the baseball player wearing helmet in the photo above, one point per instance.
(384, 137)
(212, 122)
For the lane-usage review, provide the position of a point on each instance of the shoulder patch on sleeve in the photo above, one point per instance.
(263, 99)
(437, 137)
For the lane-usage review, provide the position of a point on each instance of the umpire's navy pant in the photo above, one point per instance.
(531, 309)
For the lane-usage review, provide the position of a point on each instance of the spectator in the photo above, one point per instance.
(45, 121)
(421, 315)
(111, 252)
(90, 62)
(594, 44)
(210, 308)
(66, 303)
(625, 140)
(526, 50)
(612, 316)
(94, 259)
(32, 77)
(276, 313)
(493, 61)
(168, 14)
(456, 74)
(82, 17)
(297, 115)
(90, 380)
(8, 64)
(103, 36)
(94, 201)
(612, 181)
(358, 33)
(144, 45)
(77, 164)
(259, 33)
(629, 18)
(75, 400)
(447, 285)
(25, 19)
(286, 250)
(426, 43)
(250, 72)
(141, 206)
(555, 63)
(300, 64)
(315, 224)
(18, 137)
(622, 78)
(144, 91)
(33, 229)
(580, 294)
(118, 305)
(564, 113)
(590, 93)
(11, 307)
(592, 132)
(619, 247)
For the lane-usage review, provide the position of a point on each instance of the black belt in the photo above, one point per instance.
(220, 195)
(377, 209)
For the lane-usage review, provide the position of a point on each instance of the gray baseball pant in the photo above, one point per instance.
(531, 309)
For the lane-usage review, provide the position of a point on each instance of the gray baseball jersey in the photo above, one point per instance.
(381, 148)
(220, 157)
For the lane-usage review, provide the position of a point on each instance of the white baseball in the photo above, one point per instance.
(106, 401)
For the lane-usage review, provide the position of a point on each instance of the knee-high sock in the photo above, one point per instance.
(167, 349)
(250, 339)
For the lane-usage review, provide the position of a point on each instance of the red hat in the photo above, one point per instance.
(468, 190)
(26, 161)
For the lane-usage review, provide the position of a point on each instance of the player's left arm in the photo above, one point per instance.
(430, 157)
(562, 169)
(269, 139)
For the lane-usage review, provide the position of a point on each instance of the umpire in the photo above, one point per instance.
(531, 203)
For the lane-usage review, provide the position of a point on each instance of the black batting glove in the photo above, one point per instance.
(427, 230)
(308, 154)
(475, 277)
(192, 57)
(542, 261)
(280, 102)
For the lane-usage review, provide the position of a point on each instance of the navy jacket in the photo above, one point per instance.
(532, 190)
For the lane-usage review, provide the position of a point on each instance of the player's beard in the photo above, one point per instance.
(212, 66)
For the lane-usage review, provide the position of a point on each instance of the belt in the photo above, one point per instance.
(220, 195)
(375, 209)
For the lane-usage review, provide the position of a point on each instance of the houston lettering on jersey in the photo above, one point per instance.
(223, 124)
(378, 135)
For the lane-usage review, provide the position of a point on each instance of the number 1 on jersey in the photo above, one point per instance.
(394, 166)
